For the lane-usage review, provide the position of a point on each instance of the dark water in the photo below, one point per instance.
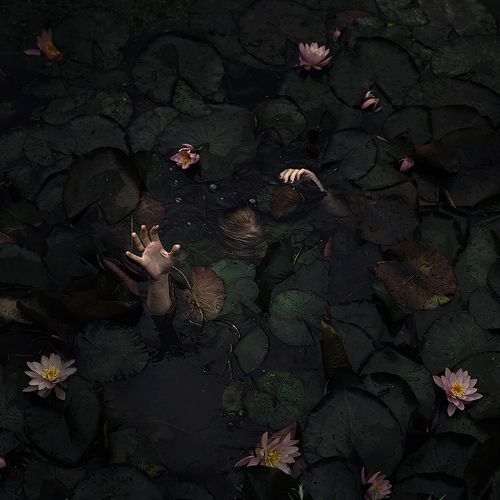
(340, 321)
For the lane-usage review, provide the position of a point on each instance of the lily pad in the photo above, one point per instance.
(282, 397)
(351, 420)
(100, 42)
(350, 152)
(106, 177)
(446, 453)
(418, 378)
(145, 130)
(169, 57)
(292, 312)
(21, 267)
(117, 481)
(411, 121)
(387, 215)
(373, 61)
(109, 352)
(485, 308)
(332, 478)
(251, 350)
(265, 28)
(241, 289)
(206, 297)
(65, 433)
(421, 279)
(226, 138)
(283, 115)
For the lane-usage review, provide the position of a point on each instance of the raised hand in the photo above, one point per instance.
(155, 260)
(298, 175)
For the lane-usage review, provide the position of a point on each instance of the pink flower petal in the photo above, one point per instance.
(33, 52)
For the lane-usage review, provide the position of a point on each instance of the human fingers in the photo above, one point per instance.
(133, 257)
(145, 236)
(175, 251)
(293, 176)
(154, 233)
(137, 242)
(286, 174)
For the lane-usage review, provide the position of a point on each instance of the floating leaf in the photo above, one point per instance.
(106, 177)
(231, 399)
(65, 434)
(21, 267)
(485, 308)
(351, 153)
(238, 278)
(387, 215)
(285, 201)
(418, 378)
(283, 115)
(205, 299)
(334, 355)
(353, 420)
(109, 352)
(117, 481)
(227, 138)
(251, 350)
(281, 397)
(421, 279)
(292, 312)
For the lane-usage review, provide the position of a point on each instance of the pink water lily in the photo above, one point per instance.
(371, 102)
(313, 56)
(459, 389)
(378, 486)
(405, 164)
(336, 34)
(185, 156)
(49, 374)
(46, 47)
(3, 463)
(278, 453)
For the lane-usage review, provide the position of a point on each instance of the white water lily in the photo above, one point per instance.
(49, 374)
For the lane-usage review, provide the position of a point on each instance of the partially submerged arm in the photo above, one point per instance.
(158, 263)
(295, 176)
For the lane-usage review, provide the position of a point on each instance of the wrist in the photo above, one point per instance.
(159, 280)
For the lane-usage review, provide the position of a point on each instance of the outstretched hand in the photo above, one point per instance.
(154, 259)
(298, 175)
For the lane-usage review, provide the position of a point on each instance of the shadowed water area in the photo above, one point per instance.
(317, 304)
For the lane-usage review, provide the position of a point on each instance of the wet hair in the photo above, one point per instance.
(240, 231)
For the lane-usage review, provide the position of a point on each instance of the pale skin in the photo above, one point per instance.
(296, 176)
(158, 263)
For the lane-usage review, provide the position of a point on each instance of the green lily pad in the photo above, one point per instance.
(350, 420)
(417, 377)
(475, 261)
(395, 393)
(109, 352)
(485, 308)
(453, 338)
(21, 267)
(387, 215)
(411, 121)
(65, 433)
(241, 289)
(282, 397)
(265, 28)
(117, 481)
(251, 350)
(168, 57)
(38, 473)
(187, 101)
(226, 138)
(373, 61)
(145, 130)
(292, 312)
(283, 115)
(445, 453)
(106, 177)
(101, 44)
(351, 152)
(332, 478)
